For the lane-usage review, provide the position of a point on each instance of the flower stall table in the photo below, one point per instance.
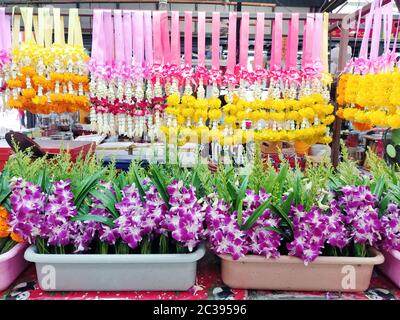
(74, 148)
(208, 286)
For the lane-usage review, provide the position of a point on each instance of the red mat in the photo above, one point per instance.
(209, 286)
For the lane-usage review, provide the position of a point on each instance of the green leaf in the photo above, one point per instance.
(288, 203)
(280, 179)
(138, 184)
(118, 193)
(89, 217)
(334, 184)
(242, 191)
(297, 189)
(83, 209)
(384, 205)
(379, 187)
(255, 215)
(277, 231)
(270, 181)
(108, 200)
(85, 187)
(233, 193)
(7, 205)
(158, 183)
(282, 214)
(196, 181)
(239, 212)
(4, 194)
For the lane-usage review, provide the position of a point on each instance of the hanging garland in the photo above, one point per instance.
(45, 77)
(369, 90)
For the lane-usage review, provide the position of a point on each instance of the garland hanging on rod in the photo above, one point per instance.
(47, 77)
(369, 90)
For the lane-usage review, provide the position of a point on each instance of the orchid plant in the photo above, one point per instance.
(84, 207)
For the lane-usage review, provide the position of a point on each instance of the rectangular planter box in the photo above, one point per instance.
(346, 274)
(391, 267)
(115, 272)
(12, 263)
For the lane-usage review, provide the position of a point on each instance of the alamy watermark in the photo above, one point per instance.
(349, 279)
(48, 279)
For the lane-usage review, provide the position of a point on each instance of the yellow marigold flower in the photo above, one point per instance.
(173, 100)
(214, 103)
(394, 121)
(230, 120)
(215, 114)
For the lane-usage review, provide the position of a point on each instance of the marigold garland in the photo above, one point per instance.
(48, 79)
(370, 100)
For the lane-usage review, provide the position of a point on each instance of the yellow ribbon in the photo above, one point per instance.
(324, 51)
(27, 17)
(16, 25)
(39, 27)
(74, 28)
(58, 27)
(48, 34)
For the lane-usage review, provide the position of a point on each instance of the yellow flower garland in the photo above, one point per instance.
(312, 109)
(371, 99)
(51, 79)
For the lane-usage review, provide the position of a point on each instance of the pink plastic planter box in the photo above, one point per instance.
(391, 267)
(289, 273)
(12, 263)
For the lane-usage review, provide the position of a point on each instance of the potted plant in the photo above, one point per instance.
(12, 248)
(390, 199)
(297, 231)
(92, 228)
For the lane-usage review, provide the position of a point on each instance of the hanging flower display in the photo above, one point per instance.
(45, 77)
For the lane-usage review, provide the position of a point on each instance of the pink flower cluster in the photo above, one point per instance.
(226, 236)
(27, 204)
(185, 217)
(310, 232)
(60, 207)
(390, 228)
(315, 228)
(358, 205)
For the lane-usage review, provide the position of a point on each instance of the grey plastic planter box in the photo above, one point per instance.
(115, 272)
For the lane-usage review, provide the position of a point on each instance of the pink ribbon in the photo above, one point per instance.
(127, 34)
(276, 50)
(317, 41)
(98, 54)
(368, 22)
(108, 37)
(5, 35)
(376, 32)
(244, 40)
(292, 42)
(216, 22)
(139, 41)
(175, 39)
(165, 37)
(118, 38)
(259, 41)
(201, 39)
(231, 44)
(148, 38)
(188, 38)
(307, 40)
(158, 49)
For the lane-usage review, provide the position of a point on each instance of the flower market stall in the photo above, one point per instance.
(218, 178)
